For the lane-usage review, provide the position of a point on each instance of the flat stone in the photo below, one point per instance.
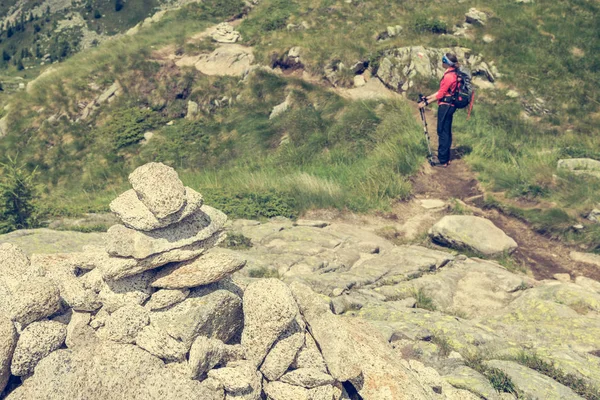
(158, 186)
(475, 16)
(126, 242)
(8, 341)
(165, 298)
(432, 204)
(135, 215)
(121, 267)
(133, 290)
(562, 277)
(217, 314)
(210, 267)
(466, 378)
(587, 258)
(44, 240)
(158, 343)
(35, 342)
(588, 283)
(513, 94)
(532, 383)
(311, 223)
(269, 308)
(580, 166)
(472, 232)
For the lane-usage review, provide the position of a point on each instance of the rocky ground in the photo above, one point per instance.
(178, 302)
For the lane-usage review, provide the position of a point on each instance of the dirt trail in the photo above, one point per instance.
(543, 256)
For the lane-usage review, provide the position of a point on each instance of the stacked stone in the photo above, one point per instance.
(156, 315)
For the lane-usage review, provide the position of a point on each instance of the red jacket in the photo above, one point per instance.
(447, 85)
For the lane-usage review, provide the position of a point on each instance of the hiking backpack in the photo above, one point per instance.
(463, 92)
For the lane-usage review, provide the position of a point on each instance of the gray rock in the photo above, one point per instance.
(122, 267)
(15, 267)
(192, 109)
(311, 223)
(476, 17)
(35, 342)
(580, 166)
(280, 108)
(158, 343)
(307, 378)
(109, 371)
(8, 341)
(211, 267)
(587, 283)
(532, 383)
(587, 258)
(126, 242)
(134, 290)
(224, 33)
(207, 353)
(240, 379)
(285, 391)
(309, 356)
(326, 392)
(283, 353)
(594, 215)
(124, 324)
(33, 300)
(165, 298)
(331, 337)
(158, 186)
(467, 231)
(44, 240)
(269, 308)
(466, 378)
(79, 333)
(135, 215)
(216, 315)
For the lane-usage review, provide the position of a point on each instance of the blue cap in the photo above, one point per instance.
(446, 61)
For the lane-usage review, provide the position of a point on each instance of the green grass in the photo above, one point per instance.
(577, 384)
(497, 378)
(423, 300)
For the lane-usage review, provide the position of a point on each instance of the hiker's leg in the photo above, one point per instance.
(443, 132)
(448, 121)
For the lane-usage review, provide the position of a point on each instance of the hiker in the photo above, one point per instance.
(448, 86)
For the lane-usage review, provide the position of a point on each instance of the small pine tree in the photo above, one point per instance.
(5, 56)
(17, 197)
(119, 5)
(20, 66)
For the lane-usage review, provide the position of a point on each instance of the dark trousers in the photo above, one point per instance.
(444, 131)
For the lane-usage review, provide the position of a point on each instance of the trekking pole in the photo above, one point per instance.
(426, 131)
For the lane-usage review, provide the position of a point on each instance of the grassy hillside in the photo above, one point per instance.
(326, 151)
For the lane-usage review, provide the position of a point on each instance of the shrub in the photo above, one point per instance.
(17, 197)
(237, 241)
(127, 126)
(251, 205)
(423, 24)
(423, 300)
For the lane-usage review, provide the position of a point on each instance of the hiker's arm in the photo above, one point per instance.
(430, 99)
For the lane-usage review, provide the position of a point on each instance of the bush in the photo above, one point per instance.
(17, 197)
(237, 241)
(127, 126)
(423, 24)
(251, 205)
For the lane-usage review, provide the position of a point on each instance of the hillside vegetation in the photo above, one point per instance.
(326, 151)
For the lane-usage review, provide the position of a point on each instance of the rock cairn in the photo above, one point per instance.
(156, 315)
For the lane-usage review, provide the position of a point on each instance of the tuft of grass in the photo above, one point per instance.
(423, 300)
(497, 378)
(263, 272)
(577, 384)
(443, 344)
(237, 241)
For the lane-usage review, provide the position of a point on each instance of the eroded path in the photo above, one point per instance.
(541, 255)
